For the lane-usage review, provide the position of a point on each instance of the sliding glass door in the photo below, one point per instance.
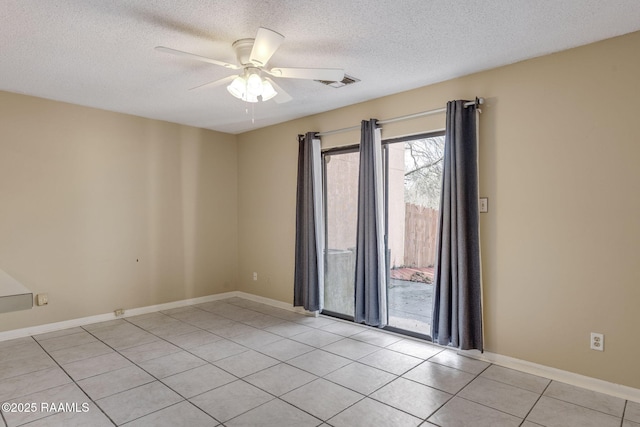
(413, 175)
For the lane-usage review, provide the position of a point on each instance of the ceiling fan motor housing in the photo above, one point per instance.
(243, 49)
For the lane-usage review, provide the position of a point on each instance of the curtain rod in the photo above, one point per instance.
(478, 101)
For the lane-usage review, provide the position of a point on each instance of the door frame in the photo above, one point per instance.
(385, 151)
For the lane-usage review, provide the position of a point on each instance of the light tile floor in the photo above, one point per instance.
(236, 362)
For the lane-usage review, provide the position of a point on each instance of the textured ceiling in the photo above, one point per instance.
(99, 53)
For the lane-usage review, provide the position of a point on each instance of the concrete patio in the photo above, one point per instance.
(410, 302)
(410, 305)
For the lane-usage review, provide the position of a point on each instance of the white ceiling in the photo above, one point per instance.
(99, 53)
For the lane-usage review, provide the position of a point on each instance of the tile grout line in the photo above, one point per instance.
(342, 338)
(150, 374)
(458, 392)
(586, 407)
(169, 406)
(244, 381)
(141, 368)
(323, 377)
(365, 396)
(536, 402)
(211, 363)
(74, 383)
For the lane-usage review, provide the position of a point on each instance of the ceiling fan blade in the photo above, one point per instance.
(266, 43)
(327, 74)
(282, 96)
(196, 57)
(215, 83)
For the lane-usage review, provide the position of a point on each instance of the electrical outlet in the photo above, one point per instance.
(119, 312)
(597, 341)
(255, 276)
(42, 299)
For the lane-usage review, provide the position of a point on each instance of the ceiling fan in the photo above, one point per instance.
(253, 56)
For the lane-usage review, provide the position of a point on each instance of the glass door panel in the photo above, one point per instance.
(341, 202)
(414, 179)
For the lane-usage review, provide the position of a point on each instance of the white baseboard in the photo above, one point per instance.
(618, 390)
(276, 303)
(589, 383)
(82, 321)
(72, 323)
(593, 384)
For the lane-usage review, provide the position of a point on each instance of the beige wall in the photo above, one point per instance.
(559, 162)
(103, 210)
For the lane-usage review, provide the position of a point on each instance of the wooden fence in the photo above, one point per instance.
(420, 236)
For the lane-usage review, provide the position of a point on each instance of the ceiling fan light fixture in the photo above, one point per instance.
(251, 88)
(268, 91)
(238, 88)
(254, 85)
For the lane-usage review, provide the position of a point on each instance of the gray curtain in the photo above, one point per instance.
(370, 283)
(457, 311)
(309, 272)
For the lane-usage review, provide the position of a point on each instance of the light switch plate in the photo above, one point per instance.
(484, 204)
